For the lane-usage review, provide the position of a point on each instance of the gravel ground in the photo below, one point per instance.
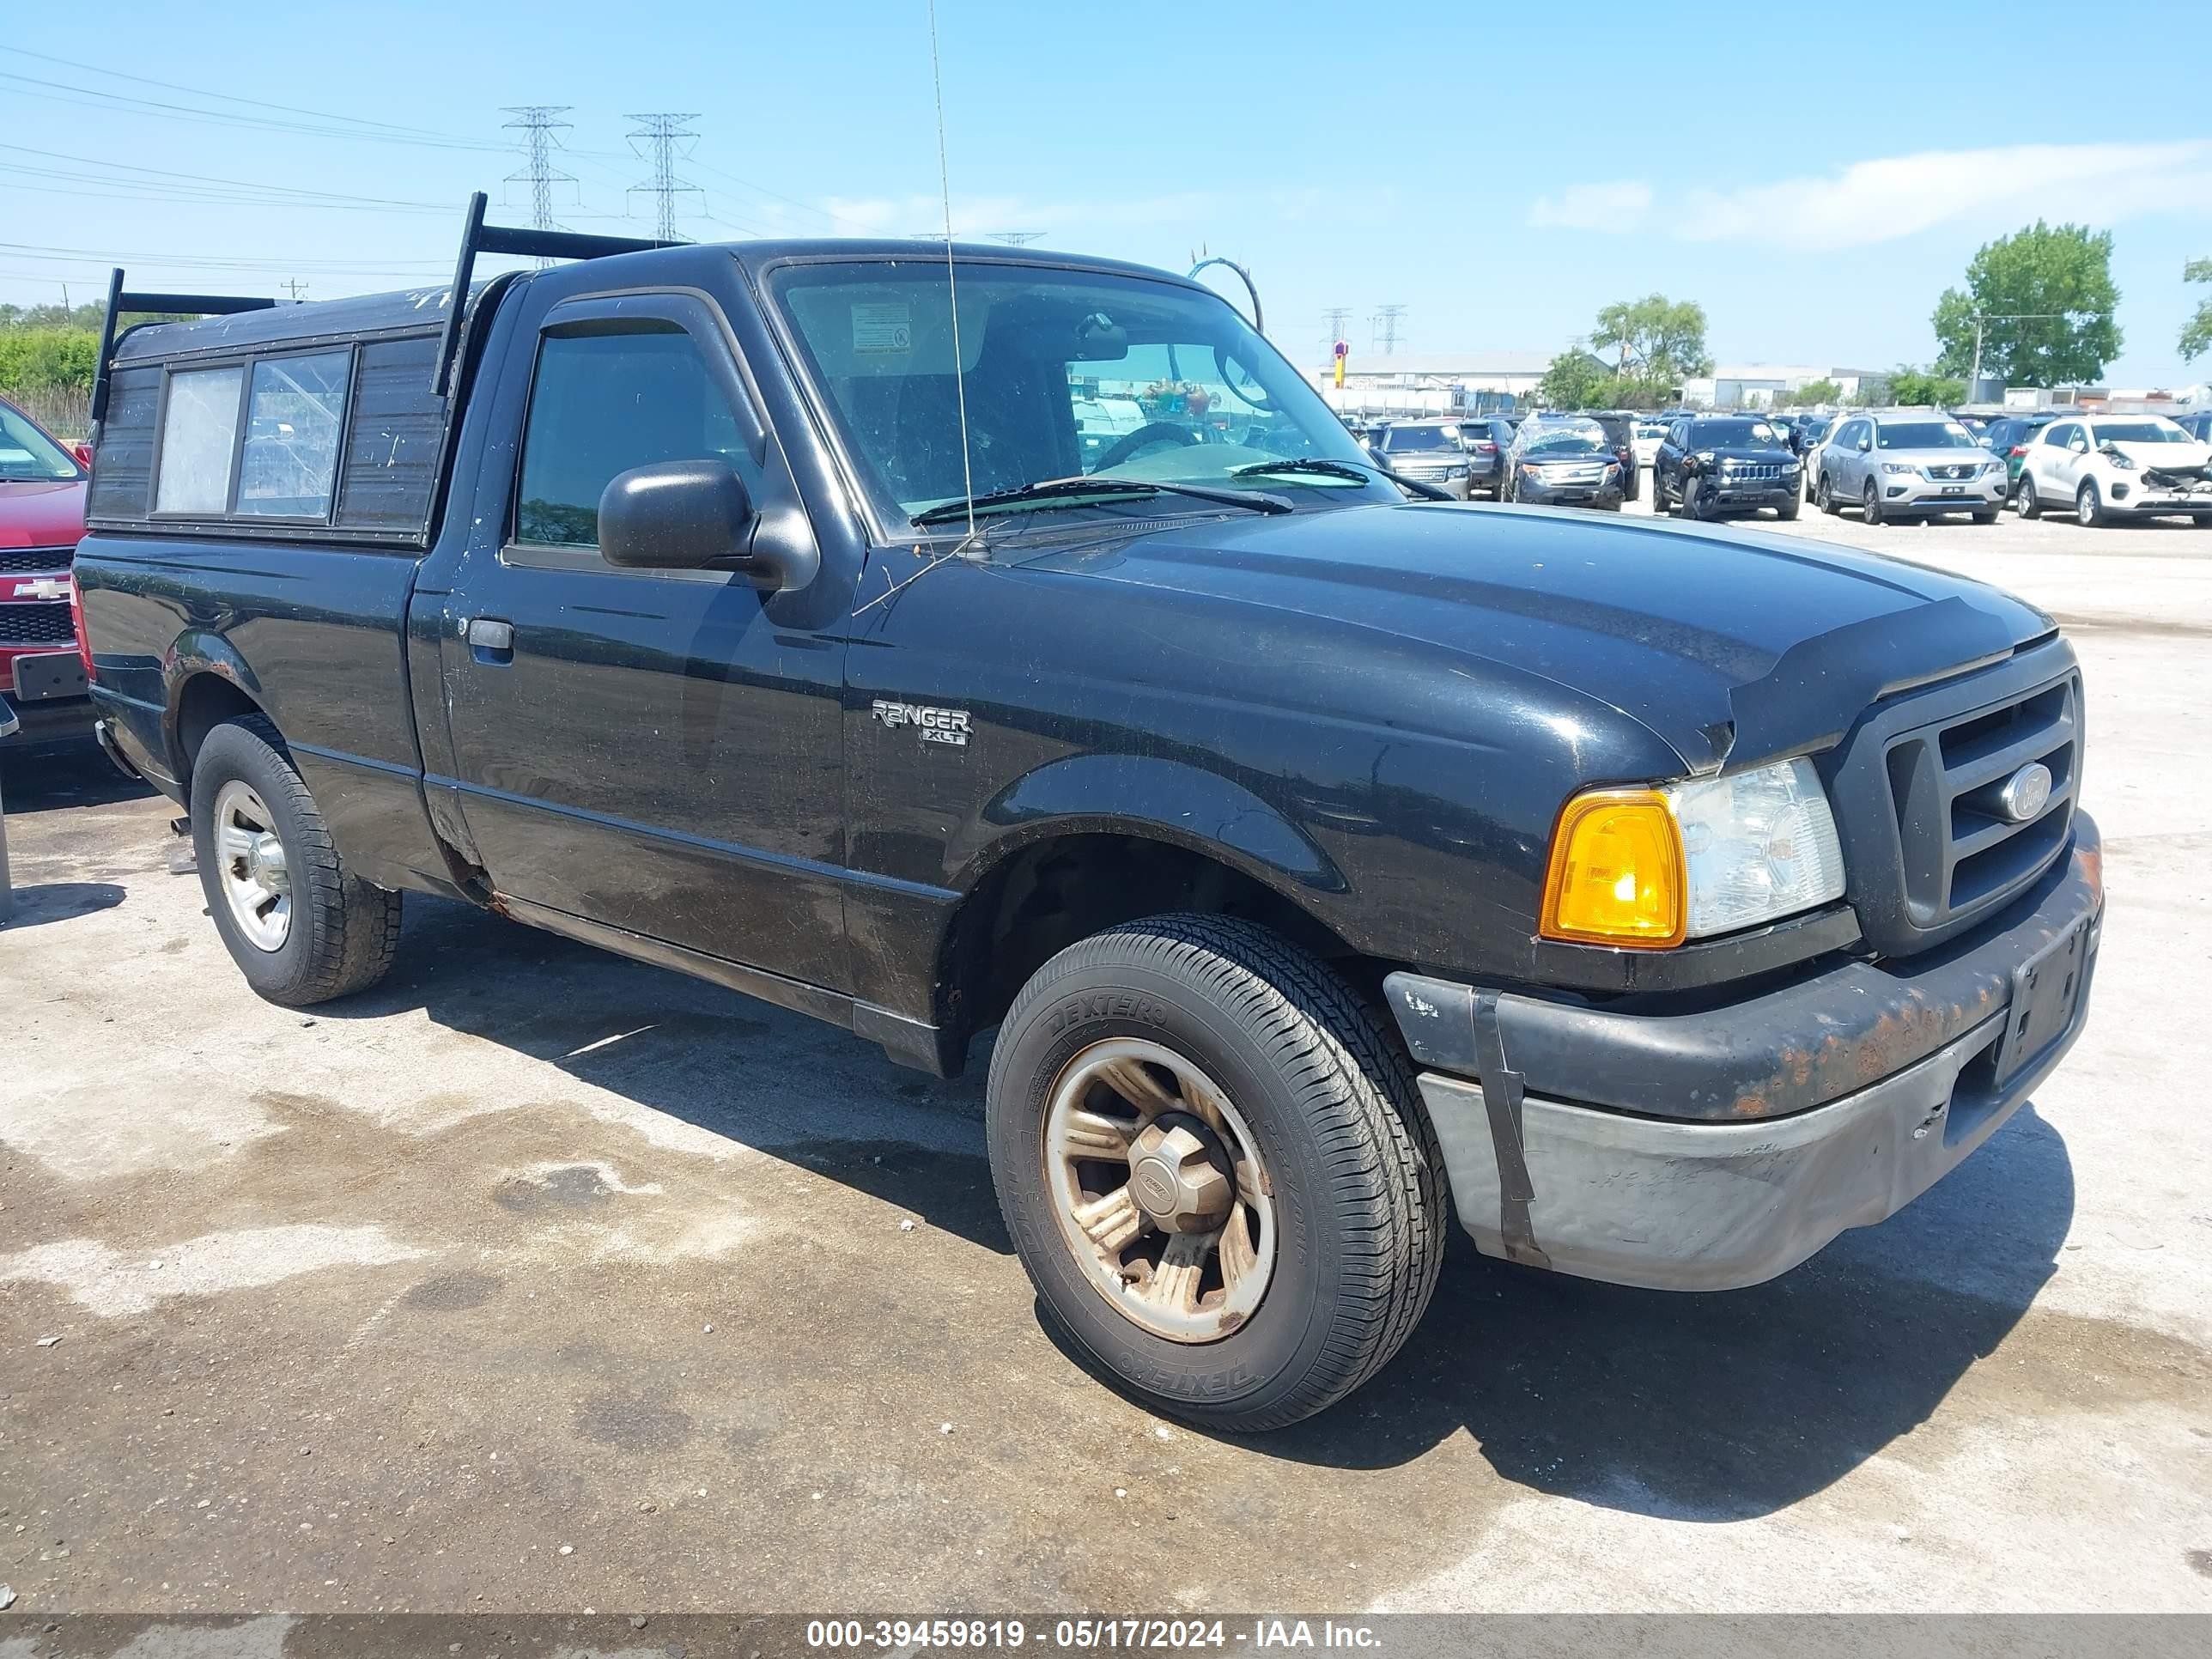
(538, 1279)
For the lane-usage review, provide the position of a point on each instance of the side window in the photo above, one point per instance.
(199, 433)
(2059, 435)
(605, 403)
(294, 415)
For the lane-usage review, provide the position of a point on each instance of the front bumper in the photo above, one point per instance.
(1713, 1150)
(2149, 500)
(1982, 494)
(1720, 492)
(1532, 492)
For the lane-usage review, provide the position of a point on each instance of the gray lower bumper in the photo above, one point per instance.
(1715, 1207)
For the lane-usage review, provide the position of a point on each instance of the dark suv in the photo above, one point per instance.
(1619, 426)
(1713, 465)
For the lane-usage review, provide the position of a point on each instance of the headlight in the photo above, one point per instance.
(1895, 468)
(1457, 471)
(1649, 868)
(2121, 461)
(1704, 457)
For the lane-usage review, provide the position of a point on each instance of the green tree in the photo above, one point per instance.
(1814, 392)
(2196, 333)
(36, 359)
(1910, 385)
(2046, 300)
(1661, 340)
(1575, 381)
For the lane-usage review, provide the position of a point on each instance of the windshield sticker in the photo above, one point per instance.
(883, 326)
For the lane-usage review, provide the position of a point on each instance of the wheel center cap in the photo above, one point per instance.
(1179, 1175)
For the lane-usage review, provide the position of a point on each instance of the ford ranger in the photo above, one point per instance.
(1663, 900)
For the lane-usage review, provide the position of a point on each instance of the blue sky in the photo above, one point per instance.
(1813, 175)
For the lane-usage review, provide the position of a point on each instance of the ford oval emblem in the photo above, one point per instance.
(2027, 791)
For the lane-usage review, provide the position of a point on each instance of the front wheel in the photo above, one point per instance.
(299, 927)
(1788, 510)
(1215, 1169)
(2088, 505)
(1870, 504)
(1987, 516)
(1824, 497)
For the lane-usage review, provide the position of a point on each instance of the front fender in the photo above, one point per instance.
(1169, 800)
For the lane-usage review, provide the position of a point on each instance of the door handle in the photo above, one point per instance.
(490, 639)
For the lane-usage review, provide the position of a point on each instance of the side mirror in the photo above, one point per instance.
(696, 515)
(1865, 444)
(82, 454)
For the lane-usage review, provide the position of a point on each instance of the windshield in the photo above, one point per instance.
(1650, 430)
(27, 455)
(1706, 434)
(1814, 431)
(1555, 441)
(1066, 374)
(1418, 437)
(2139, 432)
(1922, 435)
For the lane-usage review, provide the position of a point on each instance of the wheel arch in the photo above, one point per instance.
(208, 682)
(1049, 863)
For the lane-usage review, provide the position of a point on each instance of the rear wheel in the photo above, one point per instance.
(1216, 1169)
(1870, 504)
(300, 928)
(2088, 505)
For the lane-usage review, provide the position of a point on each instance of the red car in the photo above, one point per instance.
(42, 664)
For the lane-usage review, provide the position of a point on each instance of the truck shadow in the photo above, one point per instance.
(811, 1094)
(1705, 1408)
(1727, 1406)
(75, 777)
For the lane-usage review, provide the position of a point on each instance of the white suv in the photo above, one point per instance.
(2116, 466)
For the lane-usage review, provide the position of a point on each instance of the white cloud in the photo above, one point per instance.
(1896, 196)
(1619, 205)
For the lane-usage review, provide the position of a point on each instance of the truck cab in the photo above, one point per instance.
(1318, 860)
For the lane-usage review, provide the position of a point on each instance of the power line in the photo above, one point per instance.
(1015, 238)
(538, 123)
(663, 132)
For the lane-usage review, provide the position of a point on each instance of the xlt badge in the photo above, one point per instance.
(936, 725)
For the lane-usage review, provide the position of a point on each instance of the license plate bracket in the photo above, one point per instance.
(1954, 489)
(2047, 990)
(50, 674)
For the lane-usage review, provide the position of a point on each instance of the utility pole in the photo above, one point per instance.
(296, 287)
(1015, 238)
(662, 132)
(1385, 327)
(538, 123)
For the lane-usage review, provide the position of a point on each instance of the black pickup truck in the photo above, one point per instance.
(1666, 899)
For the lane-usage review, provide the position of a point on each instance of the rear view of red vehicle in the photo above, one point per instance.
(42, 668)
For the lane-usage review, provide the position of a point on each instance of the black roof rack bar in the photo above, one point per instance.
(477, 237)
(183, 305)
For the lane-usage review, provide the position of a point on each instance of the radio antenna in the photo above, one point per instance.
(951, 281)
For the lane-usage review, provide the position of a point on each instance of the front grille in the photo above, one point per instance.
(35, 560)
(1749, 472)
(1962, 852)
(47, 622)
(1953, 472)
(1426, 474)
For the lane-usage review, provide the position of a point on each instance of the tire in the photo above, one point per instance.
(1692, 503)
(1825, 498)
(339, 932)
(1325, 1096)
(2089, 505)
(1870, 504)
(1987, 516)
(1788, 510)
(2025, 501)
(1658, 495)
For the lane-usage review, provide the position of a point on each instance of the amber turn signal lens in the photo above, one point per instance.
(1616, 875)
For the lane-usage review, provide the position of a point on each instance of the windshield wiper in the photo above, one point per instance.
(1056, 489)
(1325, 464)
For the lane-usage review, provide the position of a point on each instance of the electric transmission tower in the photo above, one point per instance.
(538, 123)
(1338, 317)
(661, 133)
(1385, 327)
(1015, 238)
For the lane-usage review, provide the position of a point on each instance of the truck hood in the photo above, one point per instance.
(44, 513)
(1731, 646)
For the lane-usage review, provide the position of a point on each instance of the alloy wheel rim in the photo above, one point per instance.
(1160, 1194)
(2085, 505)
(251, 866)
